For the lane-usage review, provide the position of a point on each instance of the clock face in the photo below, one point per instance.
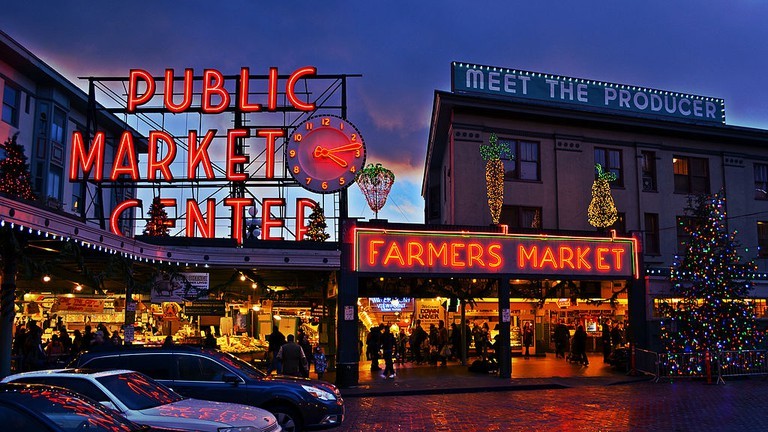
(325, 153)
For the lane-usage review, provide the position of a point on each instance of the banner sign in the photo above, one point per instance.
(429, 311)
(391, 304)
(76, 304)
(180, 287)
(205, 307)
(466, 253)
(508, 83)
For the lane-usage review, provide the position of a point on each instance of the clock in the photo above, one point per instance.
(325, 153)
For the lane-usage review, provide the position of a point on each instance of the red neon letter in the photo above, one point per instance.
(433, 254)
(134, 99)
(232, 158)
(117, 211)
(415, 251)
(456, 249)
(475, 254)
(522, 255)
(272, 91)
(213, 84)
(186, 100)
(600, 258)
(373, 250)
(95, 156)
(270, 135)
(393, 253)
(301, 205)
(267, 222)
(196, 219)
(494, 251)
(290, 90)
(565, 250)
(242, 100)
(617, 253)
(163, 164)
(199, 154)
(583, 263)
(238, 204)
(125, 149)
(548, 258)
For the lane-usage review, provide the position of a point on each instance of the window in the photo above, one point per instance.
(762, 239)
(761, 181)
(649, 171)
(11, 103)
(691, 175)
(521, 217)
(78, 385)
(523, 163)
(157, 366)
(194, 368)
(55, 181)
(621, 224)
(684, 225)
(651, 233)
(17, 420)
(610, 159)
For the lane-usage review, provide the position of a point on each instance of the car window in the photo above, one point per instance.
(111, 362)
(154, 365)
(137, 391)
(78, 385)
(196, 368)
(14, 419)
(239, 365)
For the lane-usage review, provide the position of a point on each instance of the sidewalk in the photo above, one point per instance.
(536, 373)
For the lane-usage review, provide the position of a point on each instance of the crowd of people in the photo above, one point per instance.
(293, 355)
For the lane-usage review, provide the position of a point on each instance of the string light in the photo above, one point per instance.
(602, 211)
(494, 174)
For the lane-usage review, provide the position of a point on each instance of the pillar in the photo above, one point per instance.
(505, 354)
(347, 357)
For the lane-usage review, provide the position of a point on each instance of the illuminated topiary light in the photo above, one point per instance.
(317, 225)
(15, 180)
(375, 182)
(602, 211)
(158, 222)
(494, 174)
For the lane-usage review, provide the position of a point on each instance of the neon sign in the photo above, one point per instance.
(388, 251)
(211, 93)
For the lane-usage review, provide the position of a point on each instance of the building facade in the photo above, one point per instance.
(660, 157)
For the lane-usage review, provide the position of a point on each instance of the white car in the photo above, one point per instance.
(145, 401)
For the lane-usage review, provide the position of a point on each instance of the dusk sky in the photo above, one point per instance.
(404, 50)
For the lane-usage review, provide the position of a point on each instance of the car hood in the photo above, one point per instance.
(207, 411)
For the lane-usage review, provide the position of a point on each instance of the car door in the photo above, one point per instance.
(202, 378)
(158, 366)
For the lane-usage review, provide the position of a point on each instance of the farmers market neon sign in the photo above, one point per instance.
(391, 251)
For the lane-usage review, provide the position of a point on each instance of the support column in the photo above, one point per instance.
(348, 358)
(505, 354)
(637, 305)
(7, 297)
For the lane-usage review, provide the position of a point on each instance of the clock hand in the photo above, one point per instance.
(347, 147)
(324, 152)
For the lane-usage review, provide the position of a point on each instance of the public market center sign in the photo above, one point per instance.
(508, 83)
(471, 253)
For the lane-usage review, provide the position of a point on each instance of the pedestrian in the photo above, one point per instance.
(77, 342)
(388, 348)
(54, 351)
(617, 339)
(443, 348)
(605, 337)
(418, 336)
(433, 350)
(116, 340)
(527, 338)
(168, 342)
(373, 341)
(402, 342)
(561, 339)
(210, 341)
(580, 346)
(455, 340)
(292, 358)
(321, 362)
(303, 341)
(275, 340)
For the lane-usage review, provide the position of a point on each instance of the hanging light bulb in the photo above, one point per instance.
(46, 278)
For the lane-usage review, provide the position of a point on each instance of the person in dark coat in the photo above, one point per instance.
(561, 337)
(580, 345)
(527, 338)
(210, 341)
(303, 340)
(292, 358)
(605, 330)
(388, 347)
(418, 335)
(275, 340)
(373, 341)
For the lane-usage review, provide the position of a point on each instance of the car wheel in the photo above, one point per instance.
(287, 418)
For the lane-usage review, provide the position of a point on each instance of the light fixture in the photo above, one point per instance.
(277, 317)
(78, 287)
(254, 285)
(46, 278)
(242, 277)
(256, 307)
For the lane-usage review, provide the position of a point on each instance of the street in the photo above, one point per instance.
(641, 406)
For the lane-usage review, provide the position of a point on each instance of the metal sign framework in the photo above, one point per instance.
(327, 92)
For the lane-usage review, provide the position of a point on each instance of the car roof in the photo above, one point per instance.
(94, 373)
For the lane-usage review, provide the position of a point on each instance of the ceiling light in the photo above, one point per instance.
(46, 278)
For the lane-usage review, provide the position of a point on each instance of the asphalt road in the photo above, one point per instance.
(641, 406)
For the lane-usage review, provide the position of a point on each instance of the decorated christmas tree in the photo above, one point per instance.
(316, 228)
(494, 174)
(602, 211)
(710, 281)
(158, 222)
(15, 180)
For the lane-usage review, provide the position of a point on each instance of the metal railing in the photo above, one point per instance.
(711, 366)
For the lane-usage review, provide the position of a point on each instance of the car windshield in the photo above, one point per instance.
(242, 366)
(137, 391)
(70, 411)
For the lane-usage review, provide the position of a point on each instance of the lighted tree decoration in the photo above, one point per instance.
(494, 174)
(711, 281)
(158, 222)
(316, 228)
(602, 211)
(375, 182)
(15, 180)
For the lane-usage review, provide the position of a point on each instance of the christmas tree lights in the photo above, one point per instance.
(316, 228)
(602, 211)
(15, 180)
(710, 313)
(494, 174)
(158, 222)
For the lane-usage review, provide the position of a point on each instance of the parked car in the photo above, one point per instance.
(298, 403)
(27, 407)
(145, 401)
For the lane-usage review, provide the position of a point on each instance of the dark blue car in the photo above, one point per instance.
(297, 403)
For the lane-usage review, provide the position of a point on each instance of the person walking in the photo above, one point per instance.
(321, 362)
(374, 345)
(527, 338)
(605, 330)
(455, 341)
(580, 345)
(418, 336)
(443, 351)
(561, 339)
(292, 358)
(275, 340)
(388, 348)
(303, 340)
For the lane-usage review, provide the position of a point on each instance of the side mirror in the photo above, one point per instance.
(231, 378)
